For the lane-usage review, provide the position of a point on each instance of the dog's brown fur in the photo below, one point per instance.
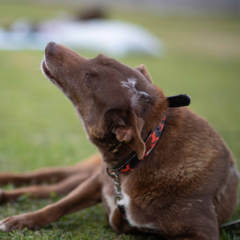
(185, 188)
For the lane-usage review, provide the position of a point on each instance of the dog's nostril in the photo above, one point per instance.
(50, 48)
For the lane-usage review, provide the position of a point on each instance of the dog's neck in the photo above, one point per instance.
(113, 152)
(132, 161)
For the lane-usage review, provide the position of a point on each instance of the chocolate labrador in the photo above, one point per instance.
(161, 168)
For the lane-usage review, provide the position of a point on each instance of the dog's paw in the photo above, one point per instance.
(10, 224)
(4, 226)
(13, 223)
(18, 222)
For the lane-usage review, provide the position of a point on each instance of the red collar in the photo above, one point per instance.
(131, 162)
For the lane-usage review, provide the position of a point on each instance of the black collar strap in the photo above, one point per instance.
(180, 100)
(133, 160)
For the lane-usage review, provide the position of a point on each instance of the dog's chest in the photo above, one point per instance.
(134, 218)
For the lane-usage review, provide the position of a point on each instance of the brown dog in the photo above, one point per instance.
(183, 189)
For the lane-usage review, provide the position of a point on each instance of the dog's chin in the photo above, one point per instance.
(50, 77)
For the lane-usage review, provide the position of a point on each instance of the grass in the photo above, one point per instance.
(38, 126)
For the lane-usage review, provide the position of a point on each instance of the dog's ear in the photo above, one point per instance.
(142, 68)
(130, 133)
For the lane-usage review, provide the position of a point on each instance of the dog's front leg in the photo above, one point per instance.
(44, 191)
(85, 195)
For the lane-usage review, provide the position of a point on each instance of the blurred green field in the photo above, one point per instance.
(38, 126)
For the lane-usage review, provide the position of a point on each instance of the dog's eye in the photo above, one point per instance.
(87, 78)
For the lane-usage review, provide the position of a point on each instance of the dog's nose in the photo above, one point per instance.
(50, 48)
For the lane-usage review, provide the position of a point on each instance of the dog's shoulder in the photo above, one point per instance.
(185, 159)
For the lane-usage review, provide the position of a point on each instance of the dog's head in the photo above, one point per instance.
(113, 101)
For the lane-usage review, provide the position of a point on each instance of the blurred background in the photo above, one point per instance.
(188, 46)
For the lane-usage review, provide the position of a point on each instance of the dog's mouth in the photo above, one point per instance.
(50, 76)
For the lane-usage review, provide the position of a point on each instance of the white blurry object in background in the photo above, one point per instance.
(114, 38)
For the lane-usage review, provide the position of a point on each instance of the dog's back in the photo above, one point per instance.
(200, 162)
